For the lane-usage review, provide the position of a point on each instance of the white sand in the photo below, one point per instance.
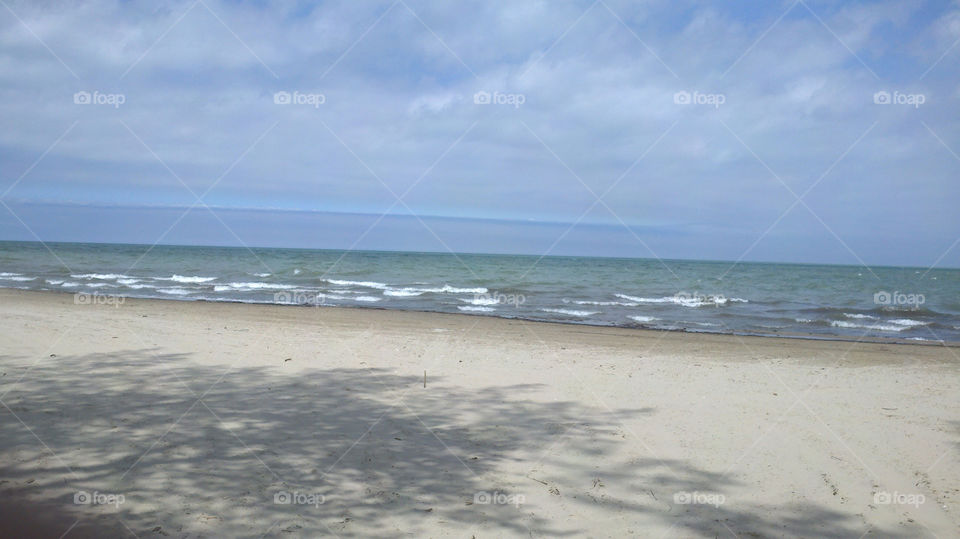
(199, 414)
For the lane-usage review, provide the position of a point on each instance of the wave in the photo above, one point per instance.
(101, 276)
(685, 301)
(369, 299)
(642, 319)
(860, 316)
(907, 322)
(128, 281)
(174, 291)
(17, 278)
(476, 309)
(365, 284)
(480, 301)
(445, 289)
(8, 274)
(191, 279)
(571, 312)
(246, 287)
(892, 325)
(261, 274)
(54, 281)
(601, 303)
(403, 292)
(454, 290)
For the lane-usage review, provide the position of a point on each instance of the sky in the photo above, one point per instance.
(793, 131)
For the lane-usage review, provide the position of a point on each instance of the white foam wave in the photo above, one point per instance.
(100, 276)
(17, 278)
(879, 327)
(480, 301)
(403, 292)
(643, 319)
(803, 320)
(860, 316)
(296, 271)
(685, 301)
(8, 274)
(570, 312)
(70, 284)
(369, 299)
(410, 291)
(454, 290)
(475, 309)
(128, 281)
(246, 287)
(907, 322)
(173, 291)
(262, 274)
(189, 279)
(54, 281)
(365, 284)
(601, 303)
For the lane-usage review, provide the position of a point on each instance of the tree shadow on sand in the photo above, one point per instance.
(201, 451)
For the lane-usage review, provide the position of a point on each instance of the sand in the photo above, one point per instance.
(187, 419)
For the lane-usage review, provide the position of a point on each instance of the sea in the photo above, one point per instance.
(747, 298)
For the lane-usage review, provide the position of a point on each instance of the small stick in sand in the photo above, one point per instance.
(424, 379)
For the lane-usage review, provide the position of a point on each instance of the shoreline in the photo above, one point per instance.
(788, 336)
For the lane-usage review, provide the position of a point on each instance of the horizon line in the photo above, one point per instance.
(459, 253)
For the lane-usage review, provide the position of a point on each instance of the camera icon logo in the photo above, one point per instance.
(682, 498)
(882, 298)
(81, 98)
(882, 498)
(482, 498)
(283, 297)
(481, 98)
(82, 498)
(282, 498)
(882, 97)
(281, 98)
(682, 97)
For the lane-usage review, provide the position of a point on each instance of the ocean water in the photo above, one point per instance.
(910, 304)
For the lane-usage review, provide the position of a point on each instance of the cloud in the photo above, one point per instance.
(597, 82)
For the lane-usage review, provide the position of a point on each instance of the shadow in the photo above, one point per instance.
(358, 452)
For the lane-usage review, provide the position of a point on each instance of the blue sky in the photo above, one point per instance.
(723, 130)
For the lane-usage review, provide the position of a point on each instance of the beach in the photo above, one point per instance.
(150, 418)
